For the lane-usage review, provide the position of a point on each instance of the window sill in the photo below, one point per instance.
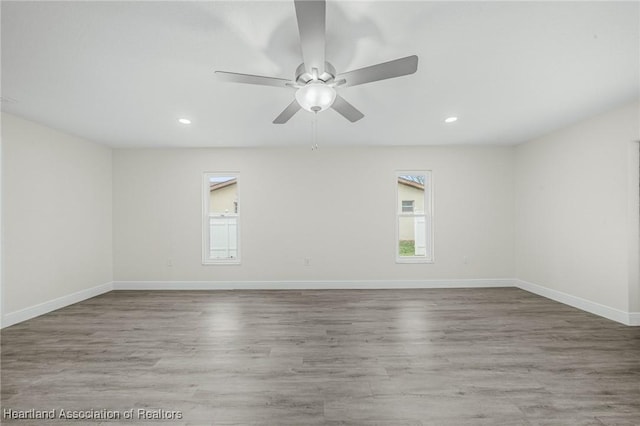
(413, 260)
(221, 262)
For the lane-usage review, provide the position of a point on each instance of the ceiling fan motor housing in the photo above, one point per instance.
(303, 76)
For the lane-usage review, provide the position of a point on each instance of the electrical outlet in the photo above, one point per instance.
(169, 262)
(307, 261)
(465, 260)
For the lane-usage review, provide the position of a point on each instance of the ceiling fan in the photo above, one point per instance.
(315, 79)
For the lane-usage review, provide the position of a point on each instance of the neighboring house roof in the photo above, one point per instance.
(412, 180)
(219, 185)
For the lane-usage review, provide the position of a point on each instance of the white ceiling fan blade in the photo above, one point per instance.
(234, 77)
(347, 110)
(311, 16)
(391, 69)
(287, 113)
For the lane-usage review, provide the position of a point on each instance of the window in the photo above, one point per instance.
(414, 220)
(221, 218)
(407, 206)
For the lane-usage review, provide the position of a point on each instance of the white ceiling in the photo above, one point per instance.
(122, 73)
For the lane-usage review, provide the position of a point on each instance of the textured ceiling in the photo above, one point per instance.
(122, 73)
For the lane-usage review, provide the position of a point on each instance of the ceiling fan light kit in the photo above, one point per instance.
(316, 80)
(315, 96)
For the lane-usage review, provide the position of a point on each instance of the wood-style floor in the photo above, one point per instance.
(355, 357)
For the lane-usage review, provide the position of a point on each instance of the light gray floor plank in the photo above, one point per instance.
(333, 357)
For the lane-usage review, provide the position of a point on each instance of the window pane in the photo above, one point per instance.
(221, 218)
(223, 195)
(412, 236)
(223, 237)
(413, 217)
(411, 193)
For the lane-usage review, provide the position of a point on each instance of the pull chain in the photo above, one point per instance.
(314, 145)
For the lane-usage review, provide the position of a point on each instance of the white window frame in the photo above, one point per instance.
(428, 215)
(206, 194)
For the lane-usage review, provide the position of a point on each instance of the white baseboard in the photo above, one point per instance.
(51, 305)
(309, 285)
(634, 318)
(626, 318)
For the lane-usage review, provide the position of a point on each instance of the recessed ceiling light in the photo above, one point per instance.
(184, 121)
(451, 119)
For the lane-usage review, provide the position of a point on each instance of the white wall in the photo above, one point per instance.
(335, 206)
(633, 219)
(568, 221)
(1, 233)
(56, 212)
(576, 213)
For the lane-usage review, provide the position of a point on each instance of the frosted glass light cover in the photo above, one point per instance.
(316, 96)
